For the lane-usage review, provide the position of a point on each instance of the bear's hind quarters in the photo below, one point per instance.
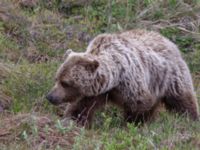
(183, 105)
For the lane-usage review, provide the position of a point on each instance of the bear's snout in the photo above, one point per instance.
(52, 99)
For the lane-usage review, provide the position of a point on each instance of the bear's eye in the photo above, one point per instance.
(64, 84)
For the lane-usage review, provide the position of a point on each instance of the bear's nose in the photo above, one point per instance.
(49, 97)
(52, 99)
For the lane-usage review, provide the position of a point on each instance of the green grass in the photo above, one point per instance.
(28, 84)
(49, 29)
(166, 132)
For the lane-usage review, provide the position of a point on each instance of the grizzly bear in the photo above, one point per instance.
(136, 70)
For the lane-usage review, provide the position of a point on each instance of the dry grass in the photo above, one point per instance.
(38, 131)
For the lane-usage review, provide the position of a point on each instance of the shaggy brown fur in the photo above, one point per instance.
(135, 70)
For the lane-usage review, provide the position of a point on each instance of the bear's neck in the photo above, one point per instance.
(108, 74)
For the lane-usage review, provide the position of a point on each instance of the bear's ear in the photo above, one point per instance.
(92, 66)
(89, 65)
(67, 53)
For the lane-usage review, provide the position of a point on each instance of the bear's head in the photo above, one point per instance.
(74, 78)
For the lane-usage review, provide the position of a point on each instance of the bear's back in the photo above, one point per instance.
(152, 41)
(141, 40)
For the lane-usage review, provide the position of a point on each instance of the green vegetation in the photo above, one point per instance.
(27, 83)
(33, 38)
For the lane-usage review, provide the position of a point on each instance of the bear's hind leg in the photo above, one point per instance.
(139, 117)
(184, 104)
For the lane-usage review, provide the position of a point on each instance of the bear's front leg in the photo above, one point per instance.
(83, 110)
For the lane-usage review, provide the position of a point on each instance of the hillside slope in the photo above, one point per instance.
(34, 34)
